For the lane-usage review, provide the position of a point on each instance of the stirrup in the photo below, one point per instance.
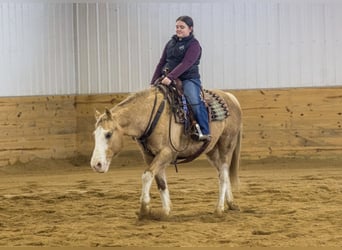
(199, 136)
(204, 137)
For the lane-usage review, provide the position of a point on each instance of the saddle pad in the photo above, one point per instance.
(217, 107)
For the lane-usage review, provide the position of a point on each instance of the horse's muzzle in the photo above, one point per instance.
(99, 167)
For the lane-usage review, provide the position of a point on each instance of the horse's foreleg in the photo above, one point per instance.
(164, 192)
(145, 198)
(156, 171)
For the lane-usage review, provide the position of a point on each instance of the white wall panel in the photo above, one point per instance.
(60, 47)
(36, 48)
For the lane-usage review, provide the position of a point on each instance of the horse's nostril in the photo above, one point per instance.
(99, 165)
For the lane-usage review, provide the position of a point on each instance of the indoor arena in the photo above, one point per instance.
(69, 71)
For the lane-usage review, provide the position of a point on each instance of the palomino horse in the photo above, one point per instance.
(168, 142)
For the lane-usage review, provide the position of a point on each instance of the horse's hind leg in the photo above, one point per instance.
(224, 187)
(222, 162)
(222, 169)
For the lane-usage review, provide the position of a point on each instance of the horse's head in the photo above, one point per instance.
(108, 141)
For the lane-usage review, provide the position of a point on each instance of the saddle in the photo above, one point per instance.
(182, 111)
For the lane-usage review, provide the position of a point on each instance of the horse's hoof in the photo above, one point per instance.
(155, 214)
(218, 213)
(145, 212)
(143, 216)
(166, 212)
(233, 206)
(159, 214)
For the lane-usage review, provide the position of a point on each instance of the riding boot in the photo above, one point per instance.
(201, 136)
(202, 118)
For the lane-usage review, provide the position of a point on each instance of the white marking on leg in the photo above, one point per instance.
(229, 193)
(223, 185)
(147, 179)
(165, 199)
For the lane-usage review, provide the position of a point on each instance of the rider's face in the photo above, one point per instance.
(182, 29)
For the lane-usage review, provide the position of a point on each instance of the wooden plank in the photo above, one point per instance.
(292, 120)
(37, 126)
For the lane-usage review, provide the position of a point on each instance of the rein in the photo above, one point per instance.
(152, 123)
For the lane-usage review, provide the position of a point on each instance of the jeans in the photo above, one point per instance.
(192, 92)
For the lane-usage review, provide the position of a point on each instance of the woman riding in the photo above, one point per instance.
(181, 57)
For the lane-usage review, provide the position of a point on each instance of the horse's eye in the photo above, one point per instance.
(108, 135)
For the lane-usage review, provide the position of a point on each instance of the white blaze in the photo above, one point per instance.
(99, 160)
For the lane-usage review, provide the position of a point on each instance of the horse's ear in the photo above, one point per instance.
(97, 114)
(108, 113)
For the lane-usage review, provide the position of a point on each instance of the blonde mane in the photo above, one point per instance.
(133, 97)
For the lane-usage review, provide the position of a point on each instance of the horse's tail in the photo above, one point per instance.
(234, 165)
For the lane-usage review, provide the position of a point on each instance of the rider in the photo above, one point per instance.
(181, 56)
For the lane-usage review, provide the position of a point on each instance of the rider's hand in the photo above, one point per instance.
(166, 81)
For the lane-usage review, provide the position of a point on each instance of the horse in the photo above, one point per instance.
(166, 143)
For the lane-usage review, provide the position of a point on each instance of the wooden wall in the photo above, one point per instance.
(301, 122)
(37, 127)
(292, 122)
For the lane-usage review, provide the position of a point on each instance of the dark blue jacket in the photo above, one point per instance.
(175, 53)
